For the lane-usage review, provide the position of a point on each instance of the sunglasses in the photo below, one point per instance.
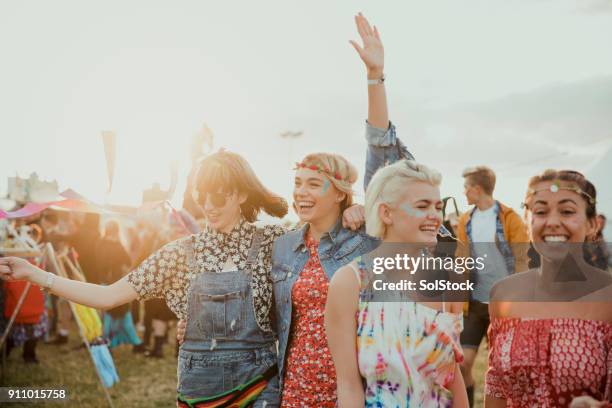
(218, 200)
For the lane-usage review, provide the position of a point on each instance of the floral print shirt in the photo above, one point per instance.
(310, 379)
(166, 273)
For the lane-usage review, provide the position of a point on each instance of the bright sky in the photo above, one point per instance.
(518, 85)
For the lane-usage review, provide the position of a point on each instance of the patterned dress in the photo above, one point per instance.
(407, 352)
(310, 380)
(548, 362)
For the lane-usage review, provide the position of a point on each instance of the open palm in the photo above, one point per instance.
(372, 51)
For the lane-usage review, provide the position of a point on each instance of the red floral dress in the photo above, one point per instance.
(310, 380)
(547, 362)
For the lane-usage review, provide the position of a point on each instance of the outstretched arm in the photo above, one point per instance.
(168, 266)
(88, 294)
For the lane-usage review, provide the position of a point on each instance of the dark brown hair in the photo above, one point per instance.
(584, 187)
(228, 172)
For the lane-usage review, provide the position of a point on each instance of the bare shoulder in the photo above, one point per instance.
(513, 286)
(601, 295)
(346, 278)
(457, 307)
(343, 292)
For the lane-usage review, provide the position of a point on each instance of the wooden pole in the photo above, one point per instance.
(62, 272)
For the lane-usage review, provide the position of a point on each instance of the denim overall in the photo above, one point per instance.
(224, 347)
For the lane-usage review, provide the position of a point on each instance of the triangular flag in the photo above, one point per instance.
(109, 138)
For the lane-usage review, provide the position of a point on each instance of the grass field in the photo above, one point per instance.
(144, 382)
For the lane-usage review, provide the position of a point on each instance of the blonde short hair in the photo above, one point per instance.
(335, 165)
(389, 185)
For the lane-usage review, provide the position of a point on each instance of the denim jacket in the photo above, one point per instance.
(383, 148)
(337, 248)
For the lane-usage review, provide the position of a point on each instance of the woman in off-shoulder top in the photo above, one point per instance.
(551, 327)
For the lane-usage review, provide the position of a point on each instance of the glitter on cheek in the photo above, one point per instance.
(413, 212)
(326, 185)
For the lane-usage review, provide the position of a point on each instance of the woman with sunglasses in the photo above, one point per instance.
(551, 327)
(218, 281)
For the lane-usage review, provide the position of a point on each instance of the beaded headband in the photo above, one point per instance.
(556, 187)
(319, 169)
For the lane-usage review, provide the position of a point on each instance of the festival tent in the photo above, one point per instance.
(73, 201)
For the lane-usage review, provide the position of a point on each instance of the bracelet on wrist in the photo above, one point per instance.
(377, 81)
(49, 279)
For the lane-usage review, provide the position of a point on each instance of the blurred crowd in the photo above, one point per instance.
(105, 248)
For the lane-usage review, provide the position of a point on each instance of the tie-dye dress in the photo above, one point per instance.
(407, 352)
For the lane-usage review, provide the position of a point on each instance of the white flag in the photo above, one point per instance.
(109, 138)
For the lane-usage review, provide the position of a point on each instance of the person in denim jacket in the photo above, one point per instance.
(240, 301)
(303, 263)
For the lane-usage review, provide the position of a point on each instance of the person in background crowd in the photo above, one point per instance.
(111, 257)
(84, 239)
(113, 262)
(55, 229)
(31, 323)
(550, 337)
(598, 253)
(149, 243)
(495, 233)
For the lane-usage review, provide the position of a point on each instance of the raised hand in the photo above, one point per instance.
(372, 52)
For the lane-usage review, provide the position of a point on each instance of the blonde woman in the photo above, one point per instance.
(303, 263)
(407, 351)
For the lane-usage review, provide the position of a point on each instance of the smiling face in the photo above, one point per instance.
(556, 219)
(417, 217)
(315, 197)
(222, 210)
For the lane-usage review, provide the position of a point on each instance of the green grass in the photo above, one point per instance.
(144, 382)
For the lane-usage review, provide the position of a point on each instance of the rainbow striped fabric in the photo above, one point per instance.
(242, 396)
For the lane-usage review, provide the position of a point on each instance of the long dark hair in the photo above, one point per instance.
(229, 172)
